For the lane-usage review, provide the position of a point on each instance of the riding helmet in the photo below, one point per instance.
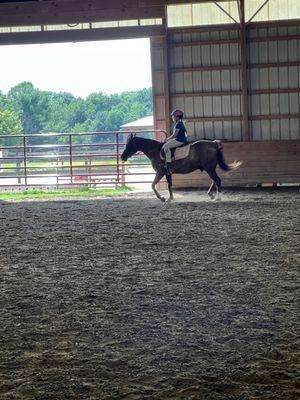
(177, 114)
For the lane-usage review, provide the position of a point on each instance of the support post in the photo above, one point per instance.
(244, 80)
(25, 159)
(166, 83)
(117, 139)
(160, 80)
(18, 167)
(71, 157)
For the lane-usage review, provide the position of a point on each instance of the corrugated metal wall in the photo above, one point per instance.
(160, 85)
(274, 82)
(204, 70)
(204, 79)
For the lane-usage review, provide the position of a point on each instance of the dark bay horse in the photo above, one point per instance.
(204, 155)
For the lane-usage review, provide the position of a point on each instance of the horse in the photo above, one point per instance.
(204, 155)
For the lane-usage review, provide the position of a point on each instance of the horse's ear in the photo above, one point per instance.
(130, 137)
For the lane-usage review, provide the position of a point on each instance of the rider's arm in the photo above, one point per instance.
(174, 135)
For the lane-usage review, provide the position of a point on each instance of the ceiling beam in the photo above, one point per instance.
(82, 35)
(174, 2)
(257, 11)
(225, 12)
(75, 11)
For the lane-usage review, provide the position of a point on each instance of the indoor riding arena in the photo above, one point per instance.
(127, 297)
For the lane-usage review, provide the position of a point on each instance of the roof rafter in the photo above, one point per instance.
(257, 11)
(226, 12)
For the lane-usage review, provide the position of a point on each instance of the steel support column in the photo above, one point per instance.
(244, 78)
(166, 84)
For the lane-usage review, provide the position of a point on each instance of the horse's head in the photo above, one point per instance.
(130, 149)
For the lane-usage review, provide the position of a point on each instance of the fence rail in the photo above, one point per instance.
(88, 159)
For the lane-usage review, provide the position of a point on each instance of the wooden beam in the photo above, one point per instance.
(274, 91)
(214, 119)
(274, 116)
(237, 92)
(206, 68)
(276, 65)
(208, 94)
(81, 35)
(204, 42)
(57, 12)
(274, 38)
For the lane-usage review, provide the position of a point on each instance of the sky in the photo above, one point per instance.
(78, 68)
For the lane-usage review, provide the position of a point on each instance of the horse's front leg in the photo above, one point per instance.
(210, 189)
(158, 176)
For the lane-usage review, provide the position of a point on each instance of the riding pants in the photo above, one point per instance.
(170, 144)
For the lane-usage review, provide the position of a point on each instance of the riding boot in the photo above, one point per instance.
(168, 168)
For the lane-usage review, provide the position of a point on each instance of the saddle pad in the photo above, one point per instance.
(182, 152)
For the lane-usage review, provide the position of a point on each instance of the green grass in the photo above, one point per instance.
(34, 193)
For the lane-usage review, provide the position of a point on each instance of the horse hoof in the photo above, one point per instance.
(211, 196)
(163, 199)
(217, 199)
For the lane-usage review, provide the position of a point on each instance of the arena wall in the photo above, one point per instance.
(204, 77)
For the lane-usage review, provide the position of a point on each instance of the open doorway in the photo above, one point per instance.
(81, 70)
(69, 88)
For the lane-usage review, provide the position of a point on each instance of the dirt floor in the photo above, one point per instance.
(124, 298)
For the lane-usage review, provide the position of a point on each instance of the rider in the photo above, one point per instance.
(178, 137)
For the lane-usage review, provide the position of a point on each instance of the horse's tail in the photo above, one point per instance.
(221, 161)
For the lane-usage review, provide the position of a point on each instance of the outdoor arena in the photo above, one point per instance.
(128, 298)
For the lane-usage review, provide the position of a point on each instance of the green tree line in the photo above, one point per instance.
(28, 110)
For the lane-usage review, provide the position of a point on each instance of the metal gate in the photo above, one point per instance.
(56, 160)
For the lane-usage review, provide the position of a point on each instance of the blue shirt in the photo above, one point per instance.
(181, 135)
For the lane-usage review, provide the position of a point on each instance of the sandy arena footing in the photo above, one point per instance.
(127, 298)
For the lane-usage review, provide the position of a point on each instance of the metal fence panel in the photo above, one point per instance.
(69, 160)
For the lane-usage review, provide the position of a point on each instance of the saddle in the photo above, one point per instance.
(177, 153)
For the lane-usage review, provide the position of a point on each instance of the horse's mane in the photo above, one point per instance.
(149, 141)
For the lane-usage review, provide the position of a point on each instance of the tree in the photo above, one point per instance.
(3, 102)
(9, 124)
(30, 105)
(58, 118)
(76, 113)
(46, 112)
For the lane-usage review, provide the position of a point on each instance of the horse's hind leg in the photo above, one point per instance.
(217, 182)
(169, 180)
